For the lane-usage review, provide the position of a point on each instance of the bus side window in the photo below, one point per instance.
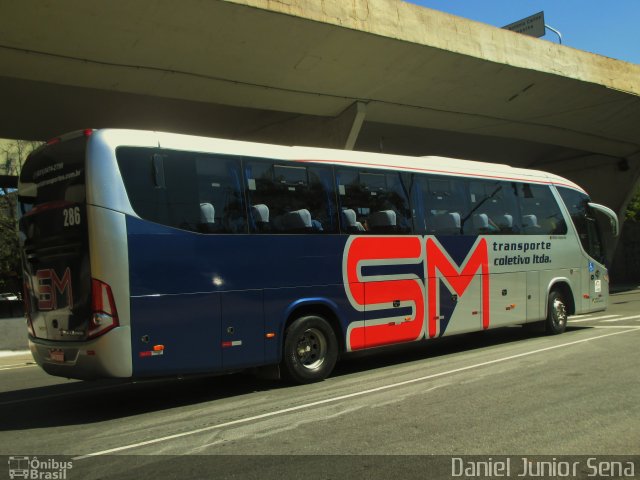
(494, 208)
(541, 214)
(441, 205)
(290, 198)
(373, 202)
(220, 195)
(174, 203)
(185, 190)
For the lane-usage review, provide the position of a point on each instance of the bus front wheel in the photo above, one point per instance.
(556, 314)
(310, 350)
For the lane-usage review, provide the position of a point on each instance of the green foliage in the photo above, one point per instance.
(9, 264)
(12, 155)
(633, 209)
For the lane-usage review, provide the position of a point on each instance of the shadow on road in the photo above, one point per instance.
(79, 402)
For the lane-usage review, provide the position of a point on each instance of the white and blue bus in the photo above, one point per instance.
(150, 254)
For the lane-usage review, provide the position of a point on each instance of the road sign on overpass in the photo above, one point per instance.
(532, 25)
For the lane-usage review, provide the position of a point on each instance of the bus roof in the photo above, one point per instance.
(428, 164)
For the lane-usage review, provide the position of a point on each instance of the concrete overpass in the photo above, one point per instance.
(379, 75)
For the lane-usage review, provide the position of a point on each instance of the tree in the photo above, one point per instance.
(13, 153)
(633, 209)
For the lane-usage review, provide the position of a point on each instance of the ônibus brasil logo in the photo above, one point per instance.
(38, 469)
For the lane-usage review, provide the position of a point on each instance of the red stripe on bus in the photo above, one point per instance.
(48, 206)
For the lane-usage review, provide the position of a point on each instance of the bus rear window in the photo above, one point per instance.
(54, 174)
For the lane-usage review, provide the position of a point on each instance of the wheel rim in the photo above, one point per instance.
(559, 312)
(311, 349)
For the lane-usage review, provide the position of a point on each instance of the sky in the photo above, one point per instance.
(610, 28)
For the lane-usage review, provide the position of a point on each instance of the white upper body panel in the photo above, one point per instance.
(106, 187)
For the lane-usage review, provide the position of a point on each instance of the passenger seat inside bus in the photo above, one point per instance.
(297, 221)
(260, 215)
(481, 223)
(383, 221)
(447, 223)
(350, 221)
(207, 213)
(530, 224)
(505, 222)
(207, 218)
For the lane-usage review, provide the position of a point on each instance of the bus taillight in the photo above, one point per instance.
(104, 315)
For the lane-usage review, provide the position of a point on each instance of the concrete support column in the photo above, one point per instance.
(339, 132)
(358, 111)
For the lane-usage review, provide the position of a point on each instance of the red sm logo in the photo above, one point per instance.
(49, 285)
(385, 275)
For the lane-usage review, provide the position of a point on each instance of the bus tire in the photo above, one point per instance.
(556, 321)
(310, 350)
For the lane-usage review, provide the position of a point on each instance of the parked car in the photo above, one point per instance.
(8, 297)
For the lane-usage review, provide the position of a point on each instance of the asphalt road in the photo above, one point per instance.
(396, 412)
(13, 334)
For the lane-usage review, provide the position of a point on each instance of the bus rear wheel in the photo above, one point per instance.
(310, 350)
(556, 314)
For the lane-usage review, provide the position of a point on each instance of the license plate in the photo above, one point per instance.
(56, 355)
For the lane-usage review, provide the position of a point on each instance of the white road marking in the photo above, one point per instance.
(632, 317)
(583, 318)
(342, 397)
(12, 353)
(617, 326)
(15, 367)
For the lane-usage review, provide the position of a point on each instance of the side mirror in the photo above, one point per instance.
(610, 214)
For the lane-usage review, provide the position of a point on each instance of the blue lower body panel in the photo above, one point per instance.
(220, 302)
(186, 326)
